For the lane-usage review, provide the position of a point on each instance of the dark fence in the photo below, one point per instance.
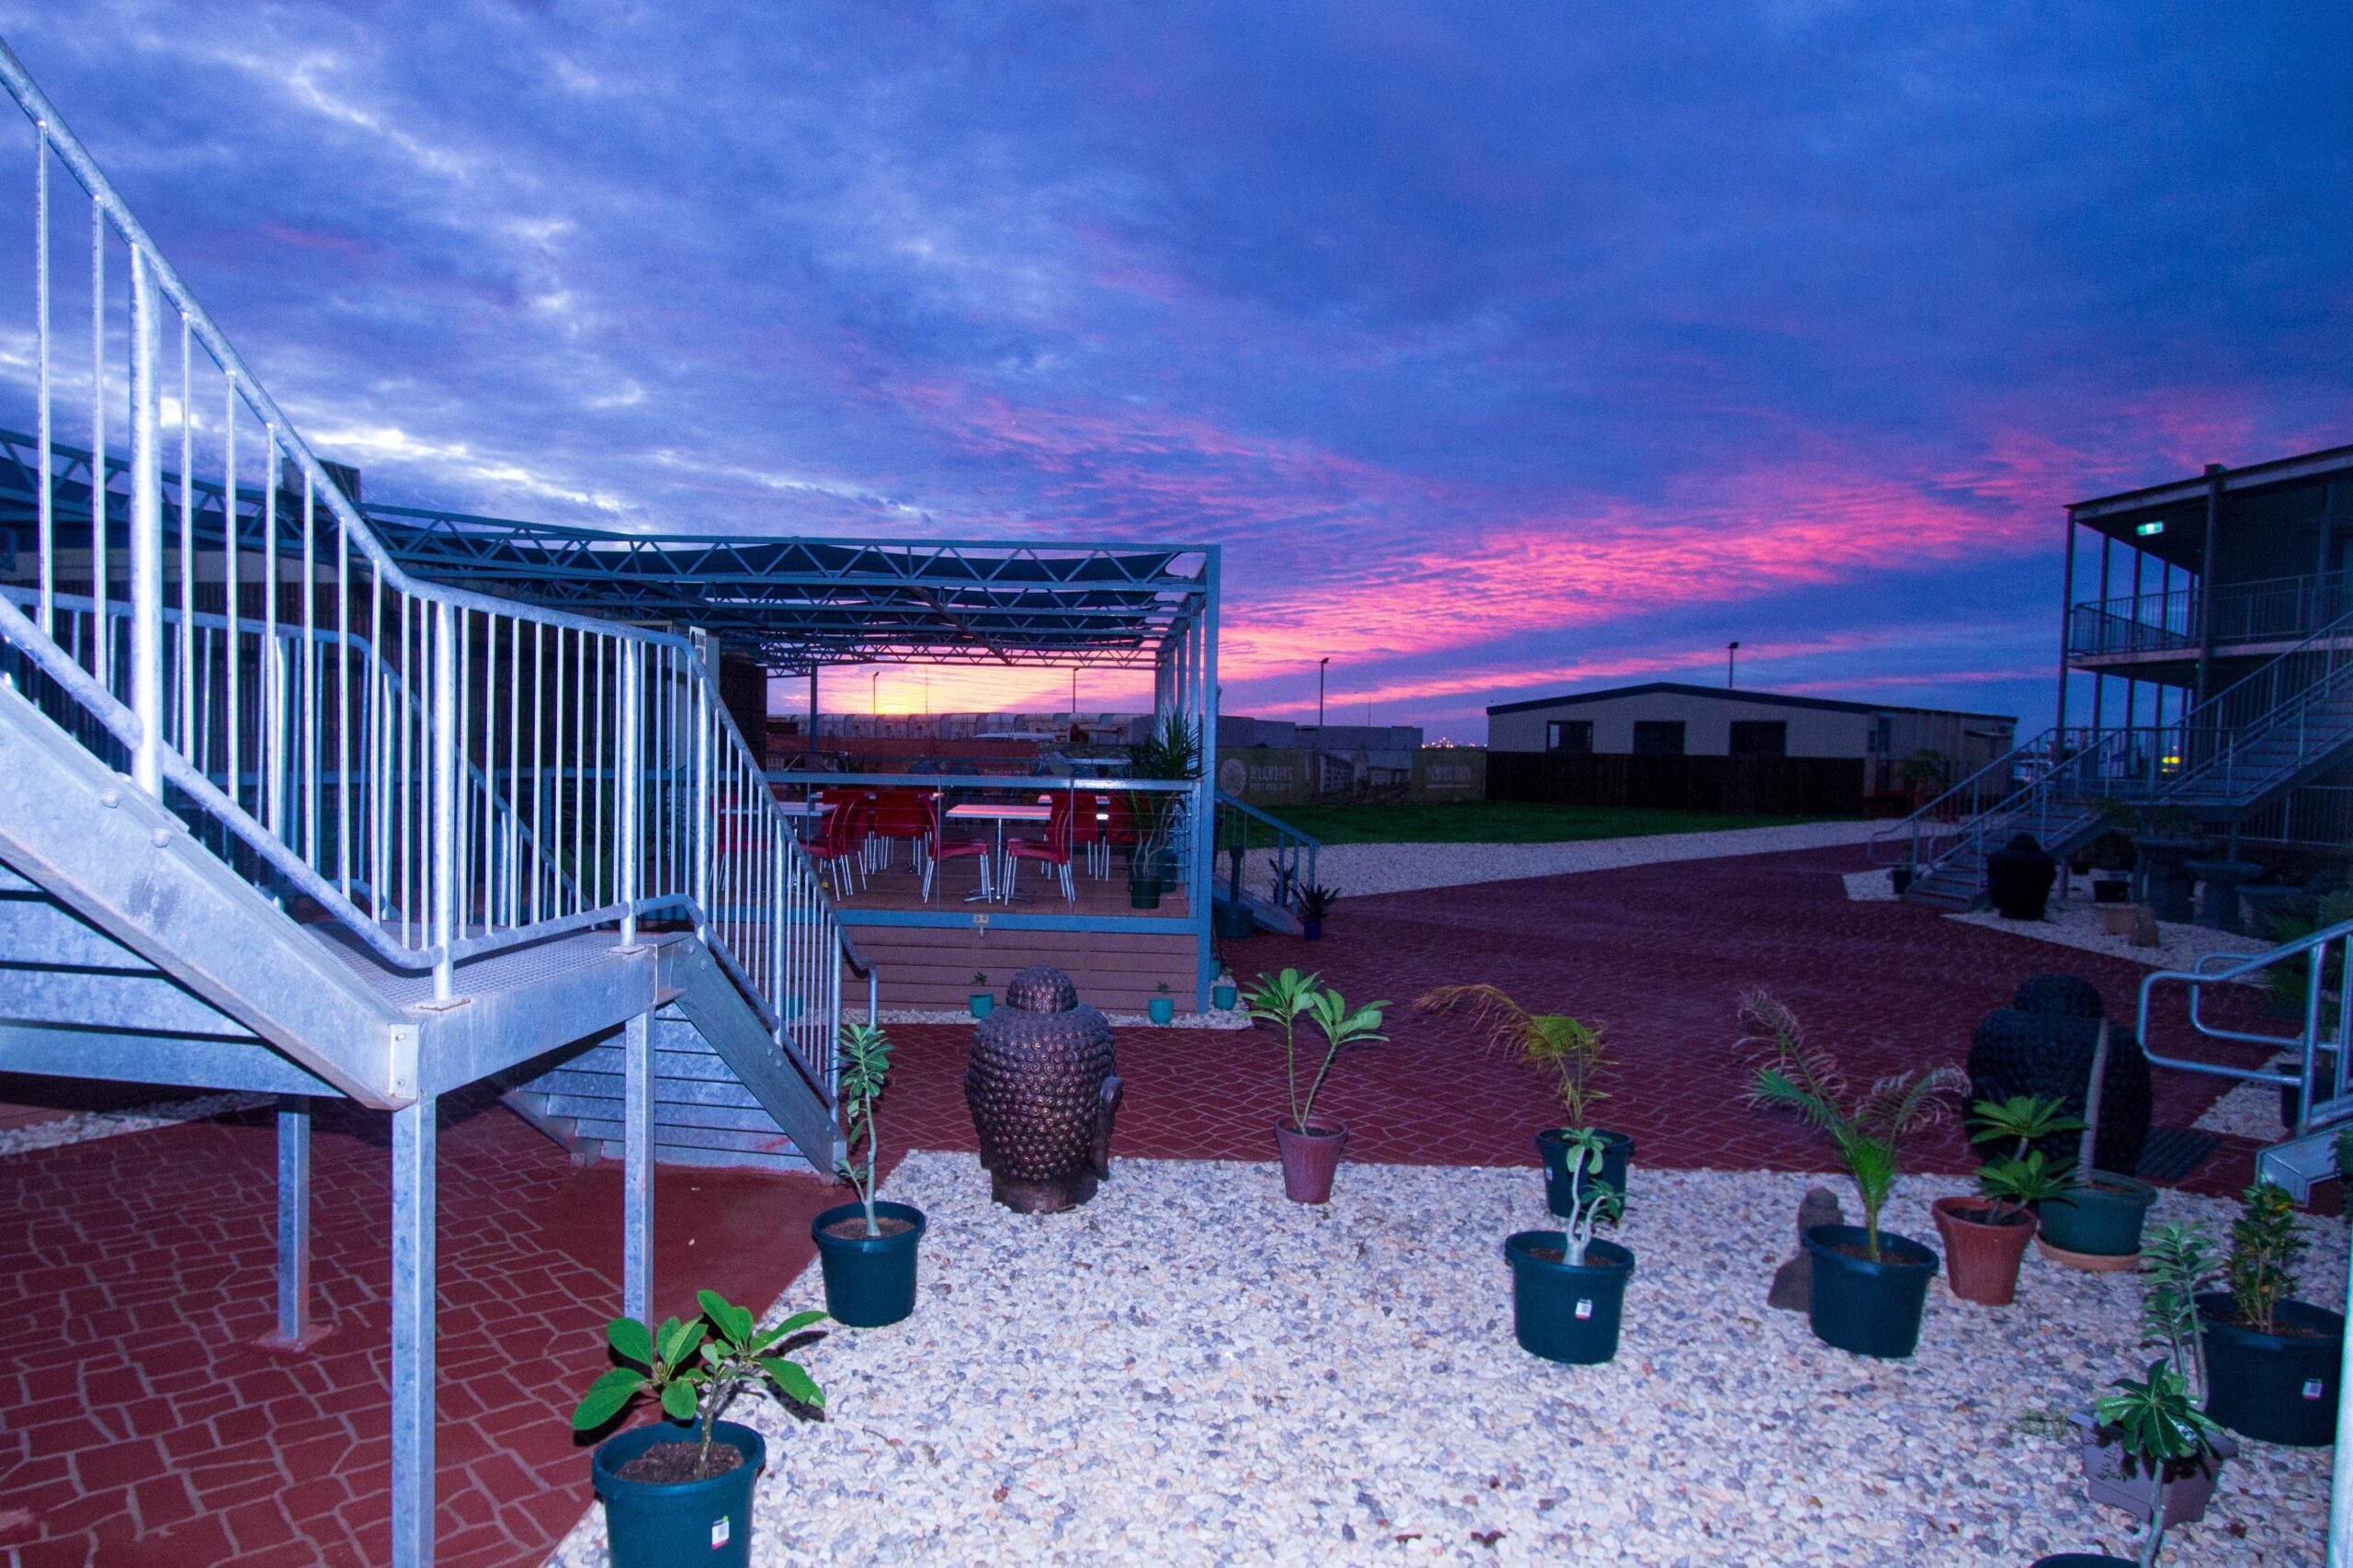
(1750, 786)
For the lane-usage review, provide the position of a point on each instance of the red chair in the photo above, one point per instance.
(1118, 829)
(1051, 851)
(838, 846)
(900, 814)
(945, 848)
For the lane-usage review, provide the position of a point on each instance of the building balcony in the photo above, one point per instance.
(2254, 618)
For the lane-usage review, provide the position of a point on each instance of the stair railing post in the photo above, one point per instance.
(637, 1168)
(627, 720)
(414, 1296)
(445, 798)
(146, 534)
(701, 784)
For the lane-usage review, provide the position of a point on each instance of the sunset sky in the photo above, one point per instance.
(1506, 348)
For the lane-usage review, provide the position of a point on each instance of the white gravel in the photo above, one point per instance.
(83, 1126)
(2076, 923)
(1208, 1018)
(1191, 1370)
(2249, 1110)
(1361, 870)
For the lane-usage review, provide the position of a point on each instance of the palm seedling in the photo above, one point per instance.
(1566, 1049)
(1867, 1130)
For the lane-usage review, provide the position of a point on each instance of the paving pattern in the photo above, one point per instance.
(139, 1422)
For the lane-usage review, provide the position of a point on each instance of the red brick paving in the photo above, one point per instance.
(140, 1424)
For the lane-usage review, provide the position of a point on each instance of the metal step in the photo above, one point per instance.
(2299, 1164)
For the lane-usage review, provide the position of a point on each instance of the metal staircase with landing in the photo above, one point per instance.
(2241, 752)
(278, 815)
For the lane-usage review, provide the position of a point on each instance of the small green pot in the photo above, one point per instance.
(982, 1003)
(1222, 996)
(870, 1280)
(1160, 1009)
(707, 1521)
(2105, 1218)
(1143, 893)
(1870, 1309)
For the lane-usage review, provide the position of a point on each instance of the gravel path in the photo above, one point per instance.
(85, 1125)
(2076, 923)
(1361, 870)
(1191, 1370)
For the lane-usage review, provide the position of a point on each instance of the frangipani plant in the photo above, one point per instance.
(694, 1368)
(1284, 999)
(2025, 1175)
(865, 1065)
(1868, 1132)
(1591, 1199)
(2159, 1425)
(1567, 1051)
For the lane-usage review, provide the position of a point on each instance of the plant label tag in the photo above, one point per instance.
(719, 1532)
(2312, 1388)
(1584, 1308)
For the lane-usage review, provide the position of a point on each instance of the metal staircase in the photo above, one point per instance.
(1268, 890)
(278, 815)
(2239, 752)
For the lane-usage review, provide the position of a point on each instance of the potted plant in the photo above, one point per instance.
(1160, 1009)
(1311, 1152)
(2171, 1482)
(2109, 857)
(2159, 1428)
(1170, 752)
(1314, 904)
(2095, 1223)
(866, 1249)
(1225, 993)
(1568, 1290)
(1869, 1286)
(1985, 1238)
(2019, 877)
(1571, 1052)
(682, 1492)
(982, 1001)
(2271, 1362)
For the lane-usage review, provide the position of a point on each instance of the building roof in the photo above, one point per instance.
(2174, 513)
(1734, 694)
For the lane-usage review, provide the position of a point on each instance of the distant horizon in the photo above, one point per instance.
(1503, 350)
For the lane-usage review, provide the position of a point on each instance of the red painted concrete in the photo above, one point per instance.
(139, 1423)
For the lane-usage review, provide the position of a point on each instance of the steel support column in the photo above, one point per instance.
(1204, 792)
(637, 1168)
(2203, 598)
(2066, 609)
(293, 1329)
(413, 1302)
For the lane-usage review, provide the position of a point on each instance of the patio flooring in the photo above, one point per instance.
(139, 1422)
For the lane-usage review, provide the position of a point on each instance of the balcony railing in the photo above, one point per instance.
(2270, 610)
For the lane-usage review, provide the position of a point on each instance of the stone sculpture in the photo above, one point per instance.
(1043, 1092)
(1793, 1281)
(2042, 1044)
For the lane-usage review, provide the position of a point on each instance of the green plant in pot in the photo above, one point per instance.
(1567, 1051)
(2271, 1361)
(1224, 996)
(2151, 1449)
(1170, 753)
(1869, 1286)
(1310, 1150)
(1314, 906)
(1162, 1008)
(682, 1492)
(1569, 1289)
(982, 1001)
(2109, 859)
(1985, 1237)
(2095, 1223)
(868, 1249)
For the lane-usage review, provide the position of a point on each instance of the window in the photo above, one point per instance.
(1760, 738)
(1572, 736)
(1658, 737)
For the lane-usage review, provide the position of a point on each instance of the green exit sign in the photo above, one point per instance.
(2145, 530)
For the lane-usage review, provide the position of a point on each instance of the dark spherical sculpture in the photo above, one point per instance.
(2042, 1044)
(1043, 1092)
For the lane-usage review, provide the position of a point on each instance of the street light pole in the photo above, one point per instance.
(1732, 657)
(1320, 665)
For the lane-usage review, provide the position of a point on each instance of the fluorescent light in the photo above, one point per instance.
(2145, 530)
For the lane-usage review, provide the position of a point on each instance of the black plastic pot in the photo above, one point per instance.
(1143, 893)
(2104, 1219)
(707, 1522)
(1871, 1308)
(2110, 890)
(1234, 922)
(2019, 877)
(1312, 929)
(2084, 1559)
(2277, 1388)
(1566, 1312)
(1553, 1147)
(870, 1280)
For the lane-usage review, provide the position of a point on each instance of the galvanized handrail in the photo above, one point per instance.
(2317, 1110)
(486, 773)
(1292, 872)
(2265, 610)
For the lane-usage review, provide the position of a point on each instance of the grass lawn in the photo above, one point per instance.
(1503, 822)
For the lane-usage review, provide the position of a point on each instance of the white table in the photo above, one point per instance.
(981, 810)
(802, 812)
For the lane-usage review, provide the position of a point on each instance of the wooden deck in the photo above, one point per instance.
(932, 966)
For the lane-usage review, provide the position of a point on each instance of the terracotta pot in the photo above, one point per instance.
(1310, 1160)
(1982, 1259)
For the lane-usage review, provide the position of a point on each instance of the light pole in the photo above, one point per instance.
(1732, 658)
(1320, 665)
(874, 694)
